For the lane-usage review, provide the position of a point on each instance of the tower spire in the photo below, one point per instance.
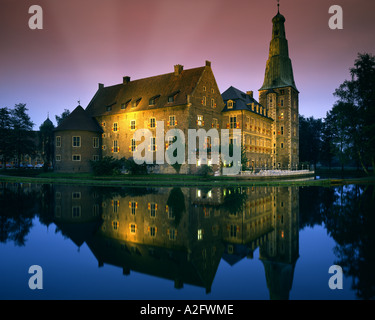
(279, 71)
(278, 6)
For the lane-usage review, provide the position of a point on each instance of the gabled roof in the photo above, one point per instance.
(242, 101)
(79, 120)
(161, 86)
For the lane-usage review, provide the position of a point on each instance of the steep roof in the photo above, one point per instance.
(79, 120)
(242, 101)
(108, 100)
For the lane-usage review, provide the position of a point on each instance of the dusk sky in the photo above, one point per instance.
(86, 42)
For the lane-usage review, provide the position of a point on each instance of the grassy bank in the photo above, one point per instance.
(155, 180)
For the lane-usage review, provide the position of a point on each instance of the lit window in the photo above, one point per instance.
(172, 121)
(115, 147)
(153, 144)
(152, 123)
(200, 121)
(152, 208)
(133, 228)
(233, 122)
(200, 234)
(133, 145)
(132, 124)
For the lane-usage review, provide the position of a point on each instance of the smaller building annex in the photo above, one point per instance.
(77, 141)
(243, 112)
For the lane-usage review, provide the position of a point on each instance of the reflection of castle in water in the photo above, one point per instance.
(182, 234)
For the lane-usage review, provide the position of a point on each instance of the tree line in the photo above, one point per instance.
(346, 136)
(17, 138)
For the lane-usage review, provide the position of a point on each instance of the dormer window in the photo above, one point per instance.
(230, 104)
(172, 96)
(109, 108)
(125, 105)
(153, 100)
(136, 102)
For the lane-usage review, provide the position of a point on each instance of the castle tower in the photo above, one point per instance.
(280, 96)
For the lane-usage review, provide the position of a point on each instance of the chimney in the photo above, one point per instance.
(178, 69)
(250, 93)
(208, 63)
(125, 80)
(101, 85)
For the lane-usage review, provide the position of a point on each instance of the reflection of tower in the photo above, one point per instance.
(280, 253)
(280, 95)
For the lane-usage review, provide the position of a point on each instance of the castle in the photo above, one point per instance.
(188, 99)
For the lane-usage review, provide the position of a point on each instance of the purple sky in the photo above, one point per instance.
(85, 42)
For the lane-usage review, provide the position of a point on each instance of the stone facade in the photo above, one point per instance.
(190, 99)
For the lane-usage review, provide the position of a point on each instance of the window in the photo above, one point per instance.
(136, 102)
(115, 147)
(152, 207)
(58, 157)
(115, 225)
(133, 146)
(170, 141)
(282, 145)
(95, 157)
(204, 88)
(76, 195)
(76, 141)
(108, 108)
(213, 105)
(132, 124)
(152, 122)
(212, 90)
(153, 100)
(200, 234)
(76, 157)
(133, 207)
(115, 127)
(200, 121)
(76, 212)
(282, 102)
(58, 141)
(153, 144)
(204, 100)
(169, 210)
(95, 142)
(282, 92)
(125, 105)
(282, 130)
(233, 122)
(152, 231)
(172, 234)
(133, 228)
(215, 123)
(233, 231)
(170, 98)
(230, 104)
(172, 121)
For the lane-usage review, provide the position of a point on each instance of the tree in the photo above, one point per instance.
(358, 96)
(327, 150)
(46, 142)
(64, 115)
(310, 137)
(5, 135)
(22, 138)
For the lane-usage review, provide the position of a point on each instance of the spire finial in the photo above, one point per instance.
(79, 102)
(278, 6)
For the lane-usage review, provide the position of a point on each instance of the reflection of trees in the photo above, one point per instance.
(234, 200)
(17, 210)
(176, 201)
(351, 223)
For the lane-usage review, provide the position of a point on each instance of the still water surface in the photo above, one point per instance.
(186, 243)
